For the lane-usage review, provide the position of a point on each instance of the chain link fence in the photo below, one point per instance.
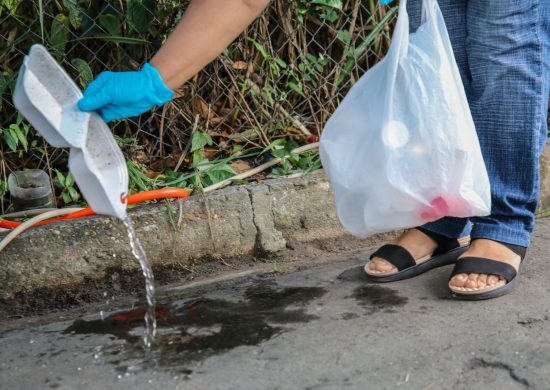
(278, 83)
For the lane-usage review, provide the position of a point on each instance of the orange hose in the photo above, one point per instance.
(132, 199)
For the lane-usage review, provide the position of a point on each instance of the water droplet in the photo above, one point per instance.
(102, 315)
(31, 342)
(79, 368)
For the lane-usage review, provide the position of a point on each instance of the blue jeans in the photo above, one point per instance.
(502, 48)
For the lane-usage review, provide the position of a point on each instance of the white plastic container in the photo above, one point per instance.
(47, 96)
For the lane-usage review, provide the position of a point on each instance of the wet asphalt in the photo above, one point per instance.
(319, 328)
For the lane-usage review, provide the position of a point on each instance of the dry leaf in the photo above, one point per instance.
(200, 107)
(152, 174)
(139, 156)
(240, 166)
(240, 65)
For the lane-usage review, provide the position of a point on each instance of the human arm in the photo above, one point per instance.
(206, 29)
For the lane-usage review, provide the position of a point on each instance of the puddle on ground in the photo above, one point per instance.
(194, 330)
(375, 298)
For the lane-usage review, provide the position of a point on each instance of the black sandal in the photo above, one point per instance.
(447, 252)
(481, 265)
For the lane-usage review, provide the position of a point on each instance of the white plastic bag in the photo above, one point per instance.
(401, 149)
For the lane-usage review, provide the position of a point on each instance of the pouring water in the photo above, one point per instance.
(139, 254)
(47, 96)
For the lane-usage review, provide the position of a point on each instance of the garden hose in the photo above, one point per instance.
(73, 213)
(27, 224)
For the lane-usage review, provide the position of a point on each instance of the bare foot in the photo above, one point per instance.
(490, 250)
(419, 245)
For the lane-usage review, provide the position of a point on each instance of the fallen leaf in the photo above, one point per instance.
(152, 174)
(139, 156)
(240, 166)
(240, 65)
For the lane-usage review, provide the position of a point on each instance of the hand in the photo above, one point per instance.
(118, 95)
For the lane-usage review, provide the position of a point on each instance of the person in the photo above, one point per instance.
(502, 49)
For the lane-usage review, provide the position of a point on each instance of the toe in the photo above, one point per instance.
(492, 280)
(472, 281)
(459, 280)
(482, 281)
(378, 264)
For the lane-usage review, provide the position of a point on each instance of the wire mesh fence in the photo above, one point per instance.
(277, 84)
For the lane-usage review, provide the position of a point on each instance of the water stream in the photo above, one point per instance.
(139, 254)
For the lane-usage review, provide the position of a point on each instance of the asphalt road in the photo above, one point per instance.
(306, 330)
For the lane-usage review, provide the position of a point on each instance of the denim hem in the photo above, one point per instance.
(500, 233)
(449, 227)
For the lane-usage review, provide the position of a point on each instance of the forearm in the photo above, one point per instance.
(207, 28)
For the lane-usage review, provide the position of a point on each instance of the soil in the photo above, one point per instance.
(30, 185)
(122, 289)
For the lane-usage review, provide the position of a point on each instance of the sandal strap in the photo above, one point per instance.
(396, 255)
(444, 243)
(481, 265)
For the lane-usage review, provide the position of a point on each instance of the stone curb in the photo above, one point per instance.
(230, 222)
(256, 218)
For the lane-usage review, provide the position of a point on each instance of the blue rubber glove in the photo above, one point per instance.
(117, 95)
(385, 2)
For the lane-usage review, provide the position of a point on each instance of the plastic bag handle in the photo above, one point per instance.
(428, 10)
(402, 27)
(401, 32)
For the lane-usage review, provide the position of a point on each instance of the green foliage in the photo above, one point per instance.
(85, 75)
(292, 163)
(16, 135)
(140, 14)
(326, 9)
(59, 35)
(3, 188)
(66, 184)
(9, 5)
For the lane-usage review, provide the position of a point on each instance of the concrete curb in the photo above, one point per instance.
(230, 222)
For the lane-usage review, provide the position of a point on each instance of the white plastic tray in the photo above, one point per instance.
(47, 97)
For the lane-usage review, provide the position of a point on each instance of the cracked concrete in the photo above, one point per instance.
(268, 238)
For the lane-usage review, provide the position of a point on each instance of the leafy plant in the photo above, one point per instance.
(66, 184)
(15, 135)
(326, 9)
(9, 5)
(206, 172)
(292, 162)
